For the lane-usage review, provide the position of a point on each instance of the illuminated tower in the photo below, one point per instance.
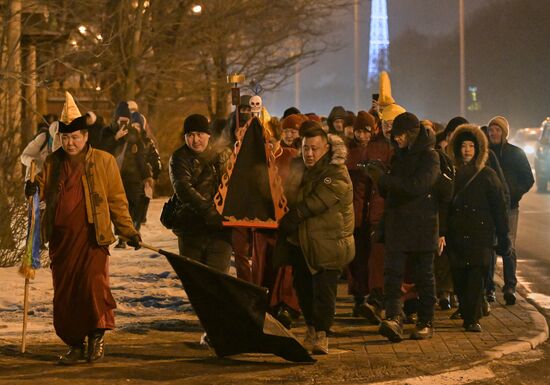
(379, 43)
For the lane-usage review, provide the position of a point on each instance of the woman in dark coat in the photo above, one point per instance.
(477, 217)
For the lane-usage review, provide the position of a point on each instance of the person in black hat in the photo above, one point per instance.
(114, 132)
(195, 172)
(84, 197)
(410, 223)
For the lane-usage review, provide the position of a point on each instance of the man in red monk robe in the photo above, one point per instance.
(83, 192)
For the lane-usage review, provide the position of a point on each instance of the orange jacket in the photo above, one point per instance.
(103, 190)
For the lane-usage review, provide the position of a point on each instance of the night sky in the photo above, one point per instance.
(329, 81)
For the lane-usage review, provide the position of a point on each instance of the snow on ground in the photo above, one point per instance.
(143, 283)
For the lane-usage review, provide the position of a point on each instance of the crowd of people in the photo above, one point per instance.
(411, 213)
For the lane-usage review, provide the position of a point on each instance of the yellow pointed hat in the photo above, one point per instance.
(385, 98)
(70, 110)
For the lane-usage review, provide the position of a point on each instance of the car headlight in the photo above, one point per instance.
(529, 149)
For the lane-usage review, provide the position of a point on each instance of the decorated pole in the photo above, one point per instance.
(234, 80)
(28, 265)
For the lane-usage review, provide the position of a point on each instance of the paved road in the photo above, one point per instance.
(533, 245)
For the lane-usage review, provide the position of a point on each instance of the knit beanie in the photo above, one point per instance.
(349, 120)
(454, 123)
(337, 112)
(122, 110)
(196, 123)
(364, 121)
(390, 112)
(313, 116)
(291, 111)
(138, 118)
(405, 123)
(293, 121)
(501, 122)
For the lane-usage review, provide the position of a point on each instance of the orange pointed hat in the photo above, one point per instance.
(70, 111)
(385, 98)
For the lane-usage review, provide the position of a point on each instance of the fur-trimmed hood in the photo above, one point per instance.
(338, 149)
(468, 132)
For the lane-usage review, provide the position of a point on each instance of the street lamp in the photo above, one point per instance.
(462, 58)
(196, 9)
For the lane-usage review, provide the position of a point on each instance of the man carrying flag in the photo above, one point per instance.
(83, 192)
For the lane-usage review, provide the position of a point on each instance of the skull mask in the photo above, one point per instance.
(256, 105)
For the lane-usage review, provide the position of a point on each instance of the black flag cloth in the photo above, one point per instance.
(233, 312)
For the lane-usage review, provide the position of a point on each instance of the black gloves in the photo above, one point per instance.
(289, 223)
(214, 219)
(30, 188)
(504, 245)
(373, 168)
(135, 241)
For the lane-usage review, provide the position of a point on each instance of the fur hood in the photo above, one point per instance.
(469, 132)
(338, 149)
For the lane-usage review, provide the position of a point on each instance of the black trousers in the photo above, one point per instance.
(423, 277)
(316, 292)
(470, 288)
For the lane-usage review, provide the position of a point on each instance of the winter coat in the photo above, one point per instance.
(478, 214)
(516, 169)
(410, 217)
(152, 156)
(195, 179)
(325, 191)
(379, 148)
(103, 191)
(360, 181)
(444, 189)
(493, 163)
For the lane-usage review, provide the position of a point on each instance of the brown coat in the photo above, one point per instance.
(103, 191)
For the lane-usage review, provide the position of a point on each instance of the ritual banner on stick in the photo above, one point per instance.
(31, 258)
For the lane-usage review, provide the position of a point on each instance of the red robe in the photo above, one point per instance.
(82, 297)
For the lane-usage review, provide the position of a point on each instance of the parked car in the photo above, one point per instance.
(542, 158)
(527, 139)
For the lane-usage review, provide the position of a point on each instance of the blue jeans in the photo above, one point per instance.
(509, 262)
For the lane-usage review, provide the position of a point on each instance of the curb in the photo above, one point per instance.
(462, 374)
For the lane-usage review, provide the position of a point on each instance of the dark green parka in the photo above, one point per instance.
(325, 193)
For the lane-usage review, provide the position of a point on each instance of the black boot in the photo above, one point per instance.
(509, 296)
(284, 317)
(358, 301)
(96, 345)
(74, 355)
(121, 244)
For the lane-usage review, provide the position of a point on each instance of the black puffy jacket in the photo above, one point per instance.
(411, 209)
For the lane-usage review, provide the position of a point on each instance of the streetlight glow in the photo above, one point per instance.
(82, 29)
(196, 9)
